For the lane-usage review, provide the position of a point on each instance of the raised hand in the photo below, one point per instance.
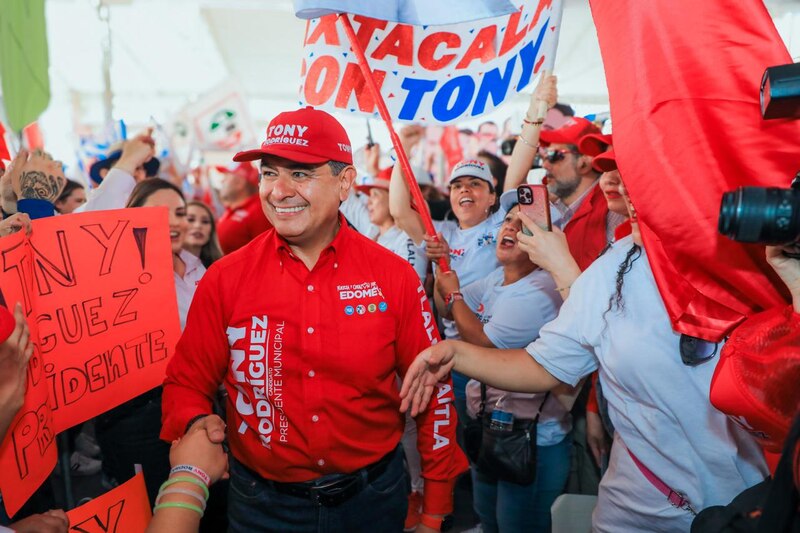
(136, 152)
(546, 91)
(410, 136)
(38, 177)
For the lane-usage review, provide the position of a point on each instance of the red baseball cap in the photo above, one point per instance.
(594, 144)
(305, 136)
(571, 132)
(605, 162)
(244, 169)
(755, 379)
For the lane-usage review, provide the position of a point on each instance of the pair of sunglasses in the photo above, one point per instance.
(696, 351)
(554, 156)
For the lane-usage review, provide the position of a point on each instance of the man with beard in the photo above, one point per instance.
(572, 181)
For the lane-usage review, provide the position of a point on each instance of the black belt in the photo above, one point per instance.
(335, 489)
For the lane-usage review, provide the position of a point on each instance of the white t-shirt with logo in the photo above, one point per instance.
(472, 252)
(511, 316)
(659, 406)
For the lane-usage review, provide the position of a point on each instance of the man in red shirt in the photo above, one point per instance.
(243, 219)
(307, 327)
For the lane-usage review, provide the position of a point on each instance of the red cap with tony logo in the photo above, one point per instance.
(304, 136)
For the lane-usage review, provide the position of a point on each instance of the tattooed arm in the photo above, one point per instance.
(37, 183)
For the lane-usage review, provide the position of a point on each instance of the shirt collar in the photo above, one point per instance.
(339, 240)
(567, 211)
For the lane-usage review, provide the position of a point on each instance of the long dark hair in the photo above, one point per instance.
(211, 250)
(146, 188)
(616, 300)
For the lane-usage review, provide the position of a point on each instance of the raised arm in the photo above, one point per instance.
(528, 143)
(469, 326)
(406, 218)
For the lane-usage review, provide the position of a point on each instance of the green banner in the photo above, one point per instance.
(23, 61)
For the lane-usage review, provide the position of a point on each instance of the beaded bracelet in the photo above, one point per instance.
(199, 472)
(525, 142)
(179, 505)
(182, 491)
(173, 480)
(562, 289)
(532, 122)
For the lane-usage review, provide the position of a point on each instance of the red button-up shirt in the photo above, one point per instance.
(310, 361)
(236, 227)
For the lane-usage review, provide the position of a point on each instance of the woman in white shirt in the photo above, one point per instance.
(505, 310)
(673, 453)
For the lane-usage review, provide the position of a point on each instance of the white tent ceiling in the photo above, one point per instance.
(166, 54)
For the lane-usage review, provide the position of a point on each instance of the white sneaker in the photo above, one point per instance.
(87, 445)
(80, 465)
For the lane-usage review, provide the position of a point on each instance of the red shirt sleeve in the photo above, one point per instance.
(442, 458)
(591, 402)
(200, 361)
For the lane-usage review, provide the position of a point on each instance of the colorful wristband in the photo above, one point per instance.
(185, 492)
(187, 479)
(179, 505)
(192, 470)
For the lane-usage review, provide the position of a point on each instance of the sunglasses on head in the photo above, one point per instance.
(554, 156)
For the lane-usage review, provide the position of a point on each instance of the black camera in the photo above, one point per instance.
(767, 215)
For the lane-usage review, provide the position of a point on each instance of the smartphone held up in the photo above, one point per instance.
(534, 201)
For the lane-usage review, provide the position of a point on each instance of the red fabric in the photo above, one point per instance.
(586, 231)
(683, 79)
(236, 227)
(249, 327)
(591, 401)
(4, 154)
(451, 146)
(756, 379)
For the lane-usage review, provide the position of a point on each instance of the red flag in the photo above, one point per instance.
(4, 154)
(451, 146)
(683, 79)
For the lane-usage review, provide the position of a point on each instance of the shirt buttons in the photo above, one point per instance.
(315, 418)
(310, 288)
(321, 462)
(310, 330)
(311, 373)
(336, 265)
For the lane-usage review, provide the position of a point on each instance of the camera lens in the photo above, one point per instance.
(767, 215)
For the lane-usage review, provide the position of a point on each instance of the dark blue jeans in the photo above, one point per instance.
(255, 506)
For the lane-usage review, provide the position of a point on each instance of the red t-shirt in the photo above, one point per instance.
(236, 227)
(310, 359)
